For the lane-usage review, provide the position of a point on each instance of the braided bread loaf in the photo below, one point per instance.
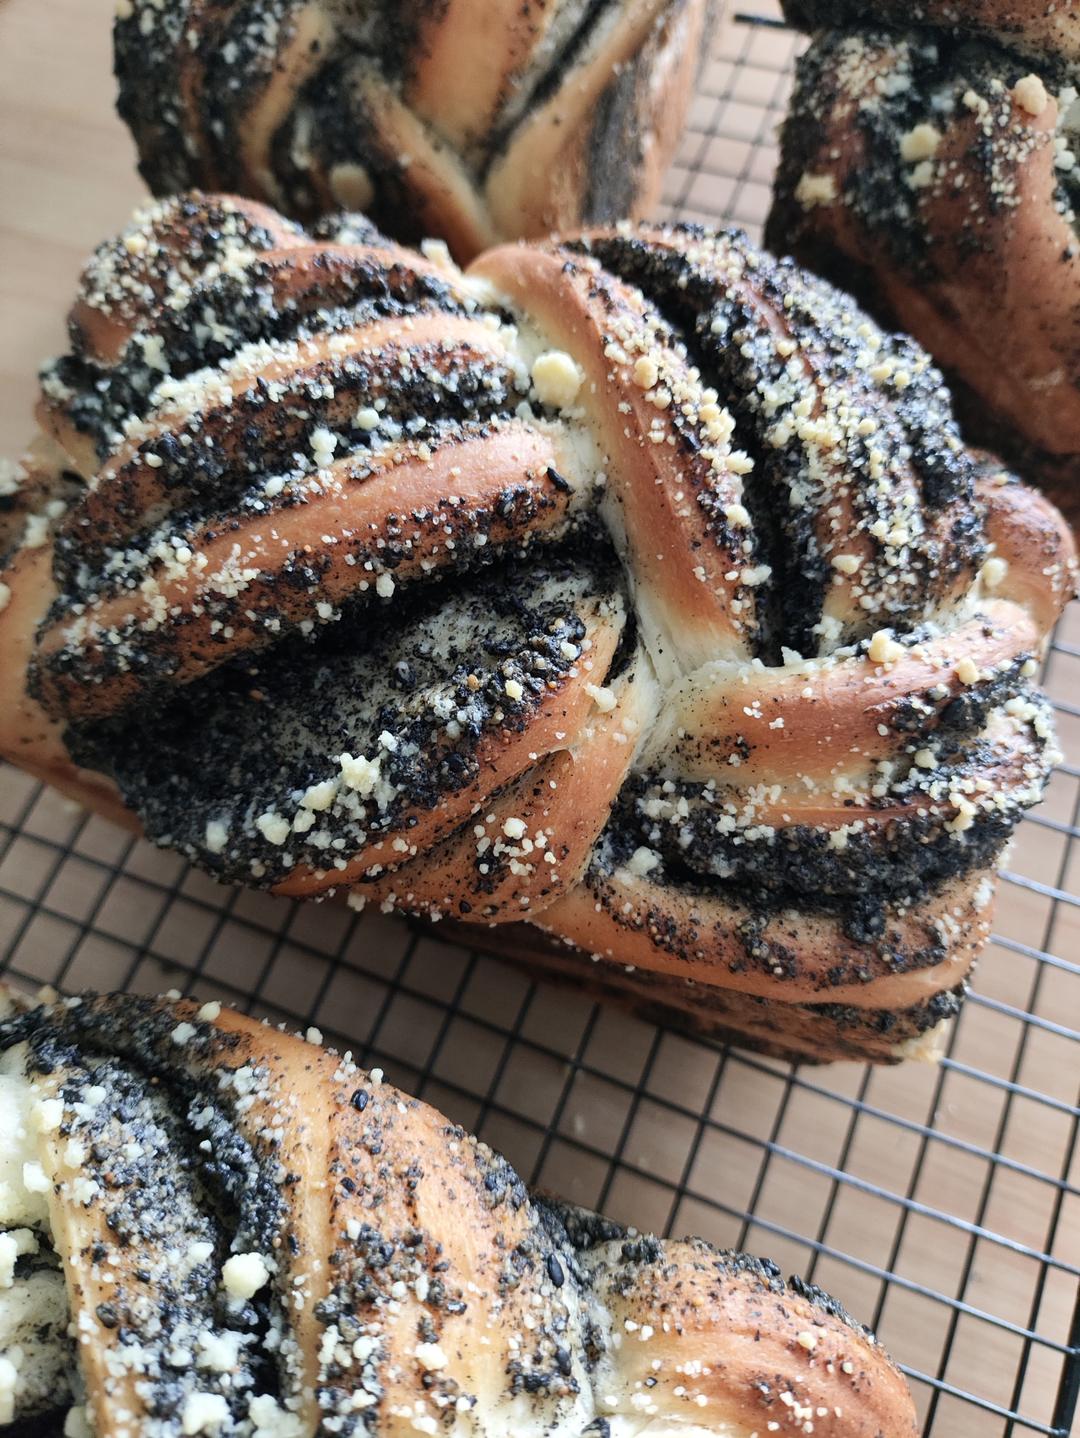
(471, 121)
(938, 174)
(259, 1239)
(637, 586)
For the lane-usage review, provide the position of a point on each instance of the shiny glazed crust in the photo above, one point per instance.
(470, 122)
(637, 587)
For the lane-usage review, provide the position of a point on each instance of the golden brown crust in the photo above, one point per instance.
(801, 1033)
(609, 330)
(653, 46)
(795, 958)
(401, 1266)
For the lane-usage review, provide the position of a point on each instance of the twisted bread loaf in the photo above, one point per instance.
(259, 1239)
(636, 586)
(938, 175)
(471, 121)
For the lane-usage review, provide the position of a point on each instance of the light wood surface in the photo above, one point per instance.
(67, 179)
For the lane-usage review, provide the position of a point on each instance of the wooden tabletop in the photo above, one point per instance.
(67, 179)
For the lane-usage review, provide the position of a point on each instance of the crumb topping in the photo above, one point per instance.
(361, 551)
(437, 1296)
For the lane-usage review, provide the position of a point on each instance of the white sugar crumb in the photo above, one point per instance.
(1030, 94)
(217, 835)
(48, 1114)
(367, 418)
(993, 572)
(646, 372)
(15, 1244)
(642, 861)
(12, 476)
(323, 444)
(273, 827)
(77, 1420)
(556, 379)
(209, 1013)
(203, 1413)
(36, 533)
(384, 586)
(920, 143)
(813, 190)
(602, 697)
(218, 1352)
(244, 1274)
(967, 671)
(360, 773)
(35, 1179)
(183, 1033)
(430, 1357)
(513, 689)
(884, 649)
(438, 252)
(807, 1340)
(320, 796)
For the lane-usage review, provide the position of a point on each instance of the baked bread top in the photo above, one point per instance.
(254, 1238)
(636, 585)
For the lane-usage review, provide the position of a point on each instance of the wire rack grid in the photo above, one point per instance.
(942, 1204)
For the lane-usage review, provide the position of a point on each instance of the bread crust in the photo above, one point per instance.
(471, 122)
(984, 210)
(403, 1267)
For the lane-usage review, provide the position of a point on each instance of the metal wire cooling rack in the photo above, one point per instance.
(941, 1204)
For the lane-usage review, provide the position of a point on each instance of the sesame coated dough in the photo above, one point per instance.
(254, 1238)
(636, 587)
(475, 122)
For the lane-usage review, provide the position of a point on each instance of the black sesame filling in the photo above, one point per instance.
(420, 683)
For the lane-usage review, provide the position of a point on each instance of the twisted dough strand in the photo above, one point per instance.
(259, 1238)
(471, 122)
(637, 586)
